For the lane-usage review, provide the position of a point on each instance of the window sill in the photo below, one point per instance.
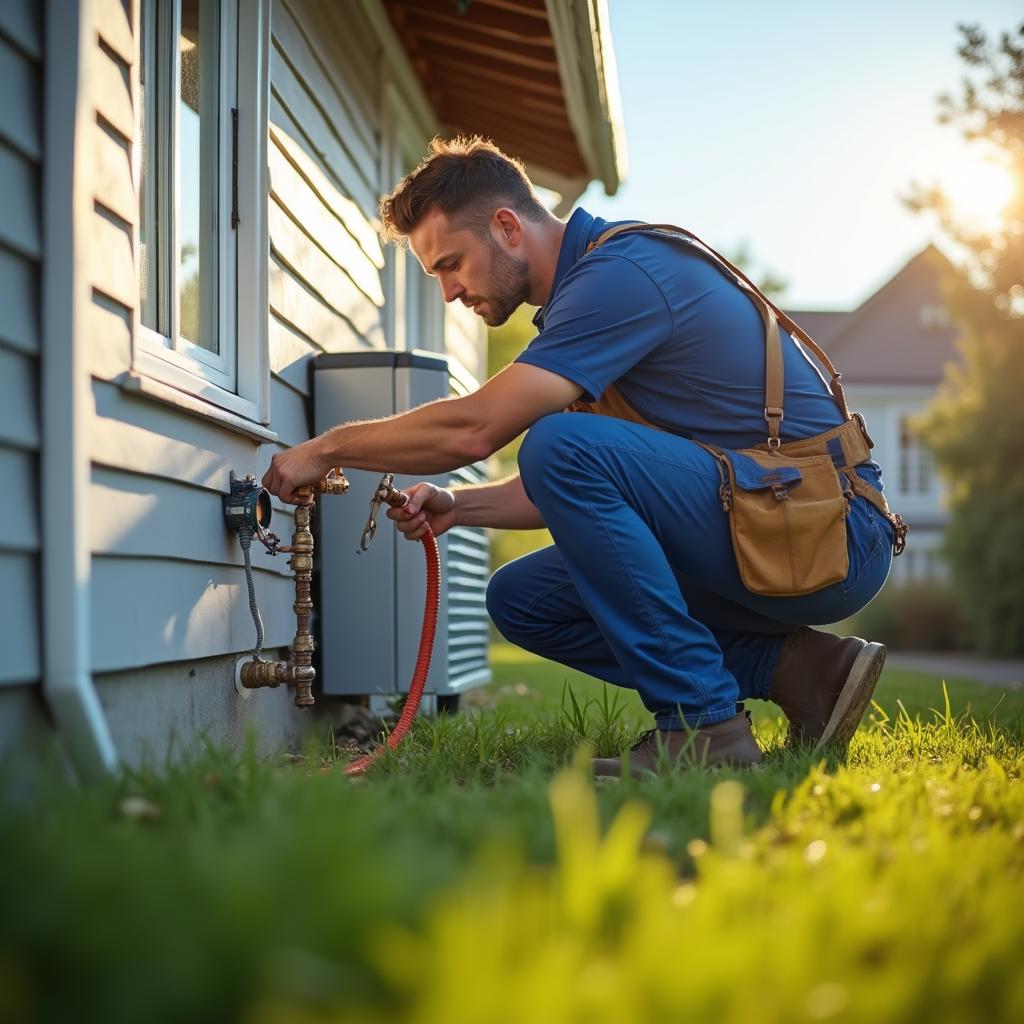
(137, 384)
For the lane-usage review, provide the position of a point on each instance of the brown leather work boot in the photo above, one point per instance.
(824, 683)
(725, 743)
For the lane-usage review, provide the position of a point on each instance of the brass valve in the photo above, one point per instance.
(298, 670)
(334, 483)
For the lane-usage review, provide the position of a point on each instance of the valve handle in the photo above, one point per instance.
(386, 493)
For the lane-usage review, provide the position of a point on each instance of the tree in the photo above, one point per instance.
(975, 426)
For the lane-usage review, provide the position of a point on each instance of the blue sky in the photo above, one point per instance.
(791, 126)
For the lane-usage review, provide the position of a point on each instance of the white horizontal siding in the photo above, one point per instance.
(20, 122)
(465, 338)
(289, 412)
(19, 289)
(326, 289)
(19, 186)
(139, 435)
(19, 612)
(20, 230)
(19, 401)
(291, 356)
(305, 260)
(135, 516)
(308, 123)
(21, 23)
(305, 311)
(330, 82)
(147, 610)
(325, 216)
(20, 531)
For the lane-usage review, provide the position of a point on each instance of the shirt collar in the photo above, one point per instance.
(578, 230)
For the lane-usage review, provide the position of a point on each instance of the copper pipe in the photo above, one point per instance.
(298, 671)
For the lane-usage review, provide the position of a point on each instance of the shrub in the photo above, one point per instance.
(923, 615)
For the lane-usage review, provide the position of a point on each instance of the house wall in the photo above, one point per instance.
(884, 407)
(166, 582)
(169, 610)
(21, 84)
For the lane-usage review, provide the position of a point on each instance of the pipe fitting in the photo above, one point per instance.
(298, 671)
(256, 674)
(334, 483)
(302, 678)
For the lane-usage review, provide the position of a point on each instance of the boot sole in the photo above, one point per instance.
(854, 697)
(606, 770)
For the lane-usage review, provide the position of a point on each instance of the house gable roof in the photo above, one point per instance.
(899, 335)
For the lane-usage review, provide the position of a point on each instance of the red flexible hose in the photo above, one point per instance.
(419, 676)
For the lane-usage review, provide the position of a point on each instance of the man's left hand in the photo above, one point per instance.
(294, 468)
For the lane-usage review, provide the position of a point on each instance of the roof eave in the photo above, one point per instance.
(581, 31)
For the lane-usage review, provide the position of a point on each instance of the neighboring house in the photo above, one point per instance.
(188, 221)
(892, 351)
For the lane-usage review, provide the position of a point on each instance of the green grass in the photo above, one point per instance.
(478, 877)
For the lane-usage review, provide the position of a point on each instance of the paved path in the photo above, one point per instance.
(1006, 673)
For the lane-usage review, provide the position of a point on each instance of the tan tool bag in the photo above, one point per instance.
(787, 503)
(788, 520)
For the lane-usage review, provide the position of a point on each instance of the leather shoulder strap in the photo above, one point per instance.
(770, 313)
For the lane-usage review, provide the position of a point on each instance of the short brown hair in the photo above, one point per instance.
(469, 177)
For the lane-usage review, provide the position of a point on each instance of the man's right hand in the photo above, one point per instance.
(429, 505)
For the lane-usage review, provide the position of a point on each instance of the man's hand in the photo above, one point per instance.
(428, 505)
(295, 468)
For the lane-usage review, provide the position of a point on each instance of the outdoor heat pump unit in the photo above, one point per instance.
(371, 604)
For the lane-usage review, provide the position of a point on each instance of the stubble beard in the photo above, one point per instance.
(508, 288)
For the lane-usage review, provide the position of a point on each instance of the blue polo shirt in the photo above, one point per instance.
(681, 342)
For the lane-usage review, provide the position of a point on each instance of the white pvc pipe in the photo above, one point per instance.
(65, 415)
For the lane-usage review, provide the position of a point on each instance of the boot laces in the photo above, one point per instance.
(643, 738)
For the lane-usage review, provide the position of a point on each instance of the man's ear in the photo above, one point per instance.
(509, 226)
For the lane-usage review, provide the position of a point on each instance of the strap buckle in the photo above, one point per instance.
(900, 528)
(773, 416)
(863, 428)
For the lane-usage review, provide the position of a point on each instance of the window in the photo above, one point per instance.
(202, 188)
(916, 468)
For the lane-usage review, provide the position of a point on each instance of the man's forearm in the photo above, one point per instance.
(434, 438)
(502, 505)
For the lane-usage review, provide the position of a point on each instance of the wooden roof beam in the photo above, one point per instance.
(513, 27)
(526, 9)
(504, 56)
(513, 79)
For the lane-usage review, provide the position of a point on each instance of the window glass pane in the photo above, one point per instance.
(198, 165)
(150, 264)
(924, 471)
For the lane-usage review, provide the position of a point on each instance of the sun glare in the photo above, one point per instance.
(978, 189)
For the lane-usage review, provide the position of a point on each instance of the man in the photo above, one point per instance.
(641, 586)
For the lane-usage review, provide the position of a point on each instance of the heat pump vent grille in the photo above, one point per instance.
(468, 571)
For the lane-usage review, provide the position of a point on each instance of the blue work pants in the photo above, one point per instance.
(641, 586)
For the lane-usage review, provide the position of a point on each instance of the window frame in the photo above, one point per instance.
(915, 463)
(237, 379)
(414, 309)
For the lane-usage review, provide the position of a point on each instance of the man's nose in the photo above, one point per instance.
(451, 289)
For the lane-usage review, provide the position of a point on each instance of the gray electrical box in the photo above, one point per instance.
(371, 604)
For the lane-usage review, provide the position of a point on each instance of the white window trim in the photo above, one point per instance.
(411, 320)
(424, 304)
(245, 267)
(916, 455)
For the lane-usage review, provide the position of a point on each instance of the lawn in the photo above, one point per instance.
(479, 877)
